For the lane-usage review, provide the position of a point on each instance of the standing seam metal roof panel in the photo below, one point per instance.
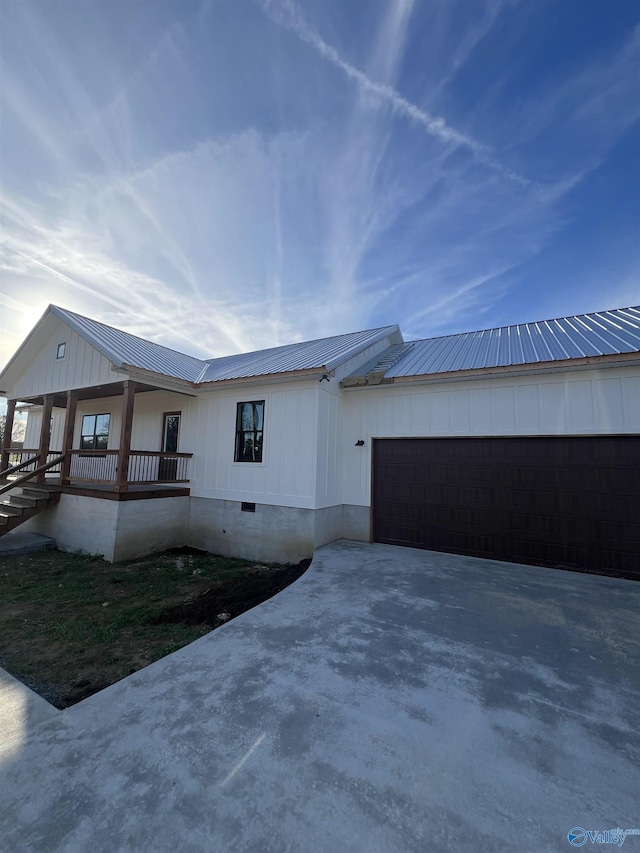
(307, 355)
(601, 333)
(123, 348)
(596, 334)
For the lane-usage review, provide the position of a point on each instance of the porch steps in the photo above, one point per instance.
(31, 500)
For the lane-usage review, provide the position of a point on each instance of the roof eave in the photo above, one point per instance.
(283, 376)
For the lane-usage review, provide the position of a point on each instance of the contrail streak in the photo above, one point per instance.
(289, 16)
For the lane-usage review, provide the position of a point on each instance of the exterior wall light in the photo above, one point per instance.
(360, 442)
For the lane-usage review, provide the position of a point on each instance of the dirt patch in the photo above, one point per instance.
(216, 606)
(71, 625)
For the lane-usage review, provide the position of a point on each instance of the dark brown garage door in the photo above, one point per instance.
(562, 502)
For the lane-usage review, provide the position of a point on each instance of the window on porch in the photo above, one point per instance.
(95, 432)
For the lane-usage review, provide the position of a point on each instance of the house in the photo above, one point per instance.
(520, 443)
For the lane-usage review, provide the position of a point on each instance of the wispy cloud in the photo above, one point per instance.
(287, 14)
(132, 249)
(247, 179)
(570, 123)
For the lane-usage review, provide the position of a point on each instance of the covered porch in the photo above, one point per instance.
(89, 464)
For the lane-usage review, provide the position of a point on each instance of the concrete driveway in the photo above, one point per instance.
(390, 700)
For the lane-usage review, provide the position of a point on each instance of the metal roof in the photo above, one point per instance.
(598, 334)
(323, 353)
(122, 348)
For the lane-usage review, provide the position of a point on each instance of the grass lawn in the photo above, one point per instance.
(71, 624)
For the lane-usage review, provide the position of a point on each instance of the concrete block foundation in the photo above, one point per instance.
(115, 530)
(356, 523)
(123, 530)
(271, 533)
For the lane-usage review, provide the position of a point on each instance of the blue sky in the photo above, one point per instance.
(226, 176)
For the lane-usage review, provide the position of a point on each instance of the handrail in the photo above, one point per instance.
(25, 477)
(162, 454)
(78, 451)
(158, 453)
(13, 468)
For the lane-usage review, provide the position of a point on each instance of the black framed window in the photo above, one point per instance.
(95, 432)
(61, 351)
(170, 432)
(249, 431)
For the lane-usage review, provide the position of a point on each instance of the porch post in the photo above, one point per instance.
(124, 451)
(67, 442)
(45, 433)
(6, 439)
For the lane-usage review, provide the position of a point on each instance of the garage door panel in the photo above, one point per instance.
(457, 541)
(619, 561)
(621, 481)
(400, 535)
(550, 502)
(471, 472)
(540, 527)
(560, 555)
(617, 453)
(535, 477)
(454, 542)
(459, 515)
(405, 512)
(613, 533)
(410, 492)
(623, 507)
(463, 495)
(555, 501)
(402, 472)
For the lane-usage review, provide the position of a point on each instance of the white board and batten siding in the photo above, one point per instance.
(599, 401)
(330, 450)
(328, 491)
(148, 416)
(287, 474)
(285, 477)
(82, 367)
(148, 420)
(32, 431)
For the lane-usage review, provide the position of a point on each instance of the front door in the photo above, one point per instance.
(168, 468)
